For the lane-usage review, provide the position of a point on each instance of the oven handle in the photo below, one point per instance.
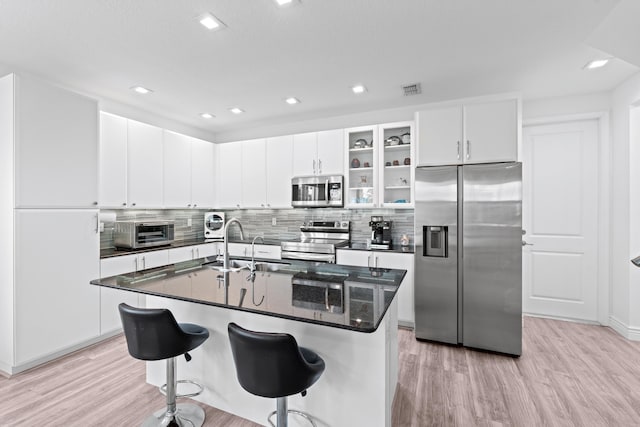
(309, 256)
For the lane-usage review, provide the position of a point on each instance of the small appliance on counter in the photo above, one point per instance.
(214, 225)
(380, 233)
(143, 234)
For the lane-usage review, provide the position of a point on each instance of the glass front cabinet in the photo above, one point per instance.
(380, 164)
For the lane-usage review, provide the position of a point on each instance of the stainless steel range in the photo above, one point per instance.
(318, 241)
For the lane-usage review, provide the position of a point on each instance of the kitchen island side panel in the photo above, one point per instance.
(356, 389)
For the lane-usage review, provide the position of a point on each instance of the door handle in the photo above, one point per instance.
(369, 261)
(97, 223)
(458, 150)
(319, 166)
(468, 149)
(314, 166)
(526, 244)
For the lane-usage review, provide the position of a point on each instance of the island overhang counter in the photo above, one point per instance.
(347, 314)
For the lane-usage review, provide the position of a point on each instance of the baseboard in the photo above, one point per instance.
(58, 354)
(629, 332)
(565, 319)
(5, 370)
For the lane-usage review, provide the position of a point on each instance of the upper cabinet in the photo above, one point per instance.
(379, 160)
(318, 153)
(144, 165)
(56, 145)
(279, 171)
(254, 183)
(188, 172)
(229, 175)
(472, 133)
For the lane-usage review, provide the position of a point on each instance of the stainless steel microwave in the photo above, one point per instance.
(143, 234)
(323, 191)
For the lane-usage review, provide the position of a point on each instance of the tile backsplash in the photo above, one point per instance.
(260, 222)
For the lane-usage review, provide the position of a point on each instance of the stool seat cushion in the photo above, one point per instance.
(154, 334)
(272, 364)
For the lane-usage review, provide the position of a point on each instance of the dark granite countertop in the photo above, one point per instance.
(113, 252)
(359, 246)
(359, 304)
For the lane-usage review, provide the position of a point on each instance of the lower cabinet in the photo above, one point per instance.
(379, 259)
(55, 306)
(261, 251)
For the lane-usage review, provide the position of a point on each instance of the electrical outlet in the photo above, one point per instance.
(273, 221)
(189, 222)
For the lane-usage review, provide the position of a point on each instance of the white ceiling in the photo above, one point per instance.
(314, 51)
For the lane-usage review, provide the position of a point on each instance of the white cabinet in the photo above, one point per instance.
(113, 161)
(56, 146)
(318, 153)
(111, 298)
(55, 306)
(203, 188)
(229, 175)
(279, 168)
(177, 170)
(396, 260)
(144, 165)
(261, 251)
(330, 151)
(187, 253)
(254, 183)
(188, 172)
(379, 160)
(472, 133)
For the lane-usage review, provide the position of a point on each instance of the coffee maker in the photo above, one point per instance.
(380, 233)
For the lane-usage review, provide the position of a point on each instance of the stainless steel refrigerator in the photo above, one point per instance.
(468, 261)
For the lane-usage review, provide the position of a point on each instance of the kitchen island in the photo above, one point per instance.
(348, 315)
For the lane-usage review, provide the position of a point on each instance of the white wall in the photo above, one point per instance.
(625, 238)
(6, 222)
(566, 105)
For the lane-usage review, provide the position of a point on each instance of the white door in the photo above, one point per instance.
(254, 176)
(113, 161)
(279, 166)
(202, 174)
(331, 152)
(177, 170)
(305, 154)
(144, 165)
(560, 205)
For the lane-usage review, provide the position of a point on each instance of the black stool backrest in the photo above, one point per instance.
(272, 364)
(153, 333)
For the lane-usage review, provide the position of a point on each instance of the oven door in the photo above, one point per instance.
(153, 234)
(317, 295)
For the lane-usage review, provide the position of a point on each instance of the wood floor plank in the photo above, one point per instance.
(570, 374)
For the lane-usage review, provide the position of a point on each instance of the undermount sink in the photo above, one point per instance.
(236, 265)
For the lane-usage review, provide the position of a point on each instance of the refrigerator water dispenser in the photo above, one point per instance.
(435, 241)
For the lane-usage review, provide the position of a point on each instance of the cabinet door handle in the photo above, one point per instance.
(124, 204)
(144, 263)
(194, 205)
(468, 149)
(97, 223)
(314, 166)
(136, 262)
(133, 204)
(458, 150)
(198, 252)
(369, 261)
(319, 166)
(376, 262)
(189, 205)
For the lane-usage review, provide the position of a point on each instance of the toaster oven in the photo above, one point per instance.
(143, 234)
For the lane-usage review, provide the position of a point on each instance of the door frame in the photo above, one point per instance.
(604, 198)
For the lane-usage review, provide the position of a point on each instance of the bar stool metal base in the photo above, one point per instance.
(282, 414)
(186, 415)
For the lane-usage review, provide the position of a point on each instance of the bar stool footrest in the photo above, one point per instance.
(293, 411)
(163, 388)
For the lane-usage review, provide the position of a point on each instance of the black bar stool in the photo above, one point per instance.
(154, 334)
(272, 365)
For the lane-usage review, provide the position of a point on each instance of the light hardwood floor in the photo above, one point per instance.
(570, 374)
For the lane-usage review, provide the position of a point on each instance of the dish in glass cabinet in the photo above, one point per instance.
(393, 140)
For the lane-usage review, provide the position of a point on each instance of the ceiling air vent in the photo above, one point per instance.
(413, 89)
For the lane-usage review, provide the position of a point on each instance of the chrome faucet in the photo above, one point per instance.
(253, 251)
(225, 259)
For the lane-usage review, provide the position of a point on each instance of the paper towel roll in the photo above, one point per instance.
(107, 217)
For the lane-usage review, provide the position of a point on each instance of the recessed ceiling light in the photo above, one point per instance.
(236, 110)
(140, 89)
(359, 89)
(292, 101)
(284, 3)
(596, 63)
(207, 116)
(210, 22)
